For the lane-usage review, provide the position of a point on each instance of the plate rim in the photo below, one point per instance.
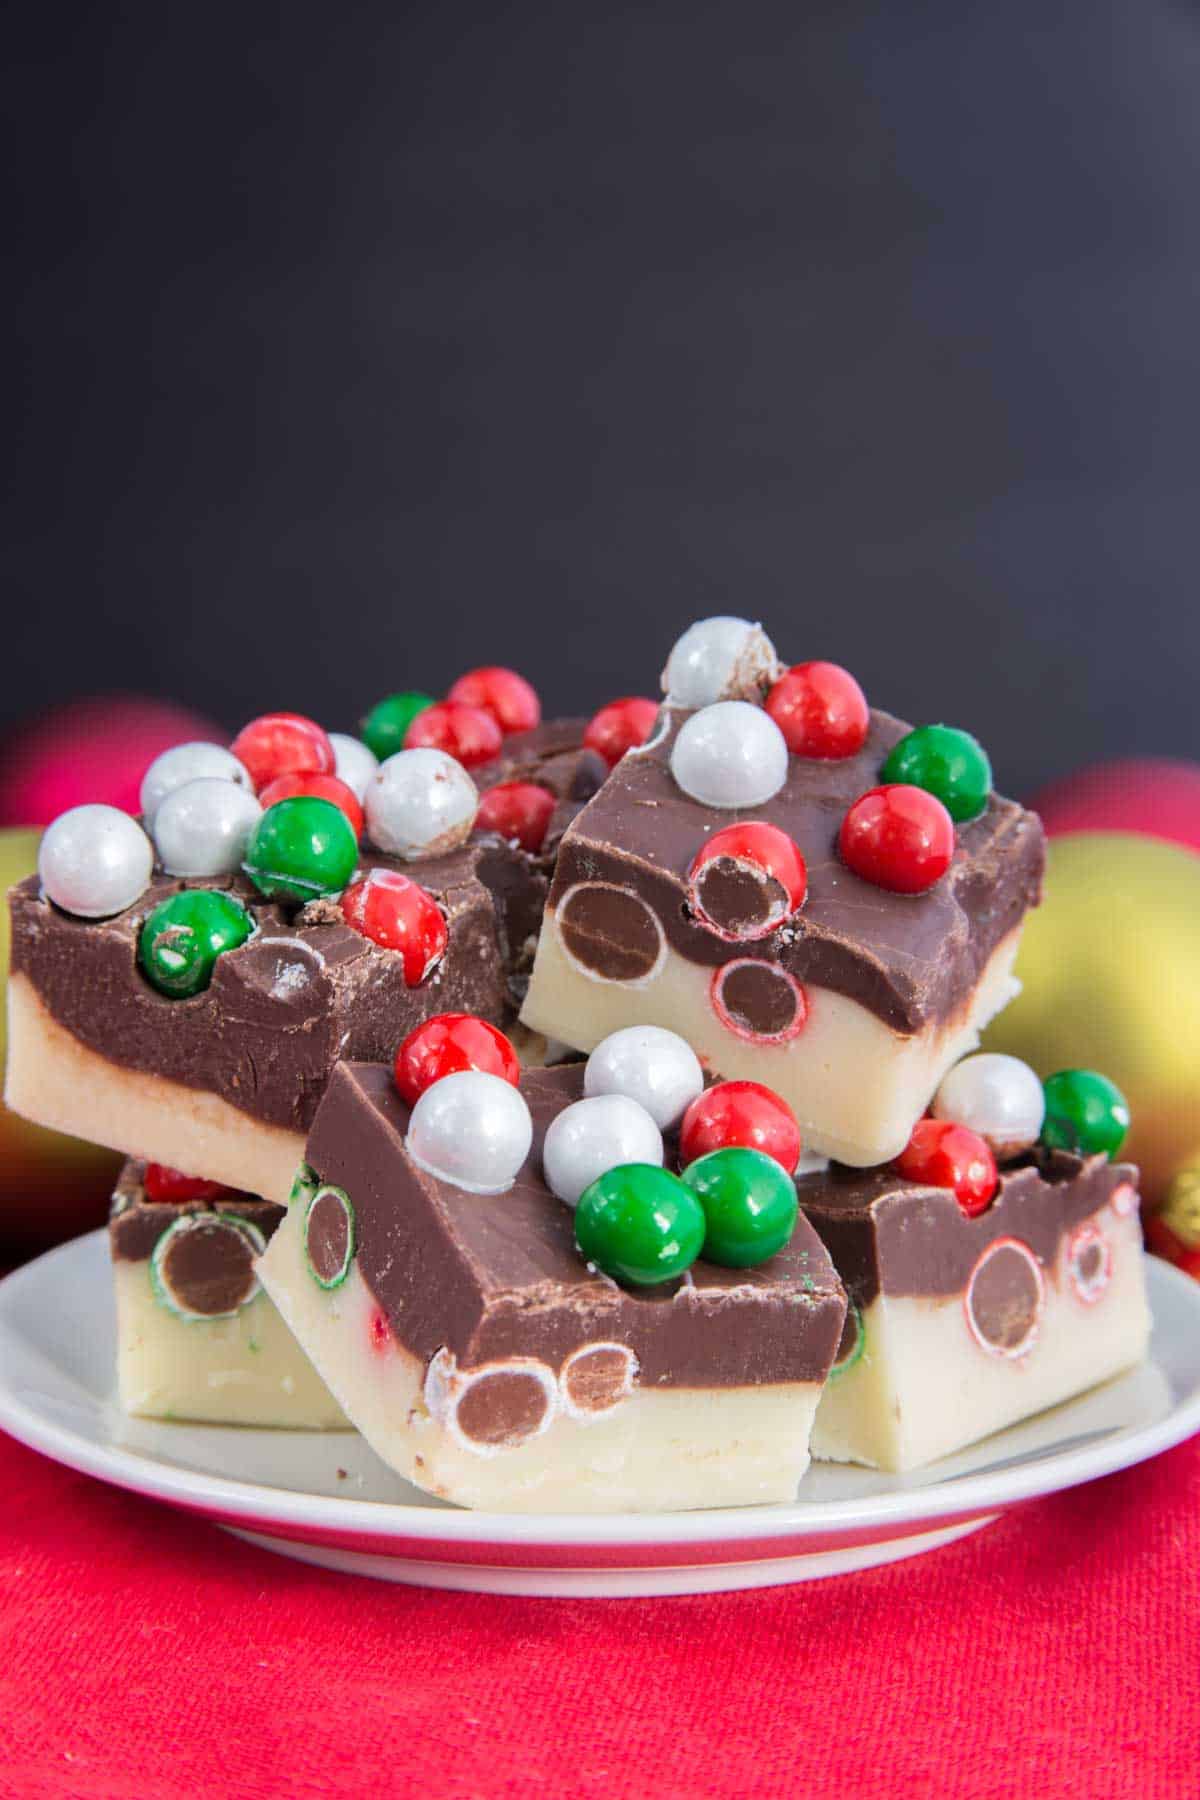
(761, 1531)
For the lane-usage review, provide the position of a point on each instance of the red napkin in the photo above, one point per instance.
(151, 1655)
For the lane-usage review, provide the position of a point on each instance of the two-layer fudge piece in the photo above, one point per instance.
(182, 989)
(445, 1268)
(196, 1336)
(813, 894)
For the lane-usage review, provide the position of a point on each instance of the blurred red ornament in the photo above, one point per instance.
(90, 750)
(1150, 795)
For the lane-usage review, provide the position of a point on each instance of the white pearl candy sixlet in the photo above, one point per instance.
(95, 861)
(420, 803)
(353, 763)
(718, 659)
(472, 1130)
(592, 1136)
(201, 828)
(1000, 1097)
(646, 1063)
(189, 762)
(730, 755)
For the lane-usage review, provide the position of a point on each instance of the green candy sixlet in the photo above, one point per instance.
(948, 763)
(180, 942)
(300, 849)
(640, 1224)
(386, 725)
(749, 1205)
(1085, 1112)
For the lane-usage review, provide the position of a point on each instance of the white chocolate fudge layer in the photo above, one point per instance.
(855, 1085)
(55, 1080)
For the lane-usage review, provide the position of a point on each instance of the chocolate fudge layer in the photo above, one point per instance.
(197, 1338)
(960, 1326)
(478, 1353)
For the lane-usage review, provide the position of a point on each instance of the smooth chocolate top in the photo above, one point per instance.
(913, 960)
(886, 1234)
(285, 1005)
(490, 1277)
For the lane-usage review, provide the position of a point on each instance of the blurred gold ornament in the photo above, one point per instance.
(1181, 1208)
(1111, 971)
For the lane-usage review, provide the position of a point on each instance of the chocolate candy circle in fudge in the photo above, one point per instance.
(1004, 1299)
(596, 1378)
(758, 1001)
(1089, 1263)
(852, 1343)
(495, 1407)
(329, 1236)
(203, 1265)
(610, 933)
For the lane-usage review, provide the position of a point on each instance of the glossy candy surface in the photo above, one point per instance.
(740, 1114)
(202, 828)
(722, 658)
(899, 838)
(946, 762)
(821, 711)
(472, 1130)
(301, 849)
(386, 725)
(95, 861)
(749, 1206)
(448, 1044)
(161, 1183)
(1000, 1097)
(510, 699)
(649, 1064)
(180, 942)
(639, 1224)
(397, 913)
(593, 1135)
(189, 762)
(421, 803)
(759, 859)
(317, 787)
(1085, 1112)
(467, 733)
(729, 755)
(945, 1155)
(355, 764)
(283, 744)
(518, 811)
(620, 726)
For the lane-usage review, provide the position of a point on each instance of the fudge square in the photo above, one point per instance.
(482, 1358)
(959, 1326)
(196, 1336)
(851, 1006)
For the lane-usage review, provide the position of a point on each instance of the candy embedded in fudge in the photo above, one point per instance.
(196, 1336)
(799, 916)
(978, 1296)
(483, 1358)
(181, 989)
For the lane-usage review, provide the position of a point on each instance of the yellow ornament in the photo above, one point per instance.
(1181, 1209)
(1111, 970)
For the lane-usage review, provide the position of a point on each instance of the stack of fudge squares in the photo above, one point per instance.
(588, 1112)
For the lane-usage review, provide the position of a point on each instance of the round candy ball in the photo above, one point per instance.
(202, 828)
(510, 699)
(997, 1096)
(466, 733)
(353, 762)
(185, 763)
(898, 838)
(320, 787)
(749, 1206)
(740, 1113)
(180, 942)
(946, 762)
(421, 803)
(386, 725)
(640, 1224)
(95, 861)
(518, 811)
(746, 880)
(821, 711)
(942, 1154)
(620, 726)
(657, 1068)
(447, 1044)
(730, 755)
(472, 1130)
(1085, 1112)
(718, 659)
(283, 744)
(592, 1136)
(399, 915)
(301, 849)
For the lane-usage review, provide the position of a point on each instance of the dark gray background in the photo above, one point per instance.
(351, 345)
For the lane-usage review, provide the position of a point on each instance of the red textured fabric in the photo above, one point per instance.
(150, 1655)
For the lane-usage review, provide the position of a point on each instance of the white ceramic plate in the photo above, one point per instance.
(324, 1497)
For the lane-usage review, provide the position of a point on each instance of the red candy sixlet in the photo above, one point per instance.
(898, 837)
(746, 880)
(517, 810)
(467, 733)
(620, 726)
(321, 787)
(950, 1156)
(821, 711)
(510, 699)
(161, 1183)
(283, 744)
(446, 1045)
(397, 914)
(741, 1113)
